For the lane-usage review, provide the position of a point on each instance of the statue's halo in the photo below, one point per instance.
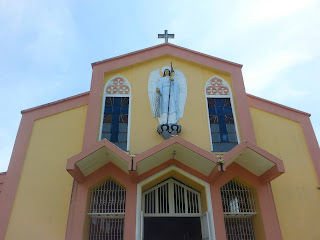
(164, 68)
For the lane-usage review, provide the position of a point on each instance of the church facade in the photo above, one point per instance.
(155, 151)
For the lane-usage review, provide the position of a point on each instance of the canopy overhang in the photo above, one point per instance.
(246, 154)
(88, 161)
(256, 160)
(180, 150)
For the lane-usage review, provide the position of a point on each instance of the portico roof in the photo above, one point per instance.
(179, 149)
(88, 161)
(248, 155)
(256, 160)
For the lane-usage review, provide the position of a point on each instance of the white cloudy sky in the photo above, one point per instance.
(46, 47)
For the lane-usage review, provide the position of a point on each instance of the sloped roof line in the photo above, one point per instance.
(163, 45)
(54, 102)
(278, 105)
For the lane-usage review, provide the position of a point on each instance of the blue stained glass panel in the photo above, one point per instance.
(116, 110)
(117, 101)
(124, 110)
(106, 127)
(115, 118)
(123, 127)
(114, 137)
(214, 127)
(219, 102)
(230, 128)
(223, 133)
(114, 127)
(212, 111)
(115, 121)
(217, 147)
(215, 137)
(227, 110)
(232, 137)
(224, 137)
(222, 119)
(220, 111)
(211, 102)
(108, 110)
(122, 137)
(226, 102)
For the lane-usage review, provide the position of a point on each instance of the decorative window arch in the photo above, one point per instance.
(239, 207)
(222, 122)
(107, 211)
(116, 114)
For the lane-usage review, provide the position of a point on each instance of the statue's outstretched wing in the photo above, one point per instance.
(181, 79)
(154, 97)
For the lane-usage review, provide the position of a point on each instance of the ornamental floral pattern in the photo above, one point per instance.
(217, 86)
(118, 86)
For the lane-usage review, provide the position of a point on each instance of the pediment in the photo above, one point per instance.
(166, 49)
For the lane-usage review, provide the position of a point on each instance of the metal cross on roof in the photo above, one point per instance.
(166, 35)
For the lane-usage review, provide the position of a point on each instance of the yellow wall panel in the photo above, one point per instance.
(295, 192)
(41, 205)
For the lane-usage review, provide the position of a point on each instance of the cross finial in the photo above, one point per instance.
(166, 36)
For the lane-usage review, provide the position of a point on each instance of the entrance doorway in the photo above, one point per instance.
(172, 210)
(172, 228)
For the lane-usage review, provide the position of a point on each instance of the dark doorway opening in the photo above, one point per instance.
(172, 228)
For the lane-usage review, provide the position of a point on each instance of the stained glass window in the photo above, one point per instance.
(115, 121)
(222, 125)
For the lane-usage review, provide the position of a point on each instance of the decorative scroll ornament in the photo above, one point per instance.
(118, 85)
(217, 86)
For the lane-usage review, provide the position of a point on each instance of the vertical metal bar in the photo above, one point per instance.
(156, 197)
(171, 198)
(185, 201)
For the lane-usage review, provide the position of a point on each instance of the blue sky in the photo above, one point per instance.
(46, 47)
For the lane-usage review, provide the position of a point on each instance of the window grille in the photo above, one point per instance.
(102, 229)
(237, 199)
(171, 198)
(107, 211)
(238, 208)
(239, 228)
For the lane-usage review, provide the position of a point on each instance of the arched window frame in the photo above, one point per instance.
(218, 95)
(105, 94)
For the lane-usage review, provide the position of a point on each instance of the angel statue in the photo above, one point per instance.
(167, 94)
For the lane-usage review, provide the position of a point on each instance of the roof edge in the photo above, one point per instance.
(165, 44)
(279, 105)
(54, 102)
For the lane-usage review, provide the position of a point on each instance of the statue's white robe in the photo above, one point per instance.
(169, 104)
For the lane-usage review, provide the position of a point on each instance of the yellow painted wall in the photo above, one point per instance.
(195, 128)
(41, 205)
(295, 192)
